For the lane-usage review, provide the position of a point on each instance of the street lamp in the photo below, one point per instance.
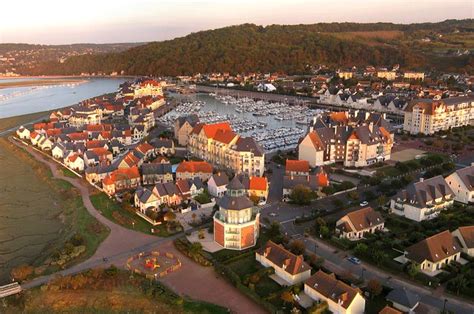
(444, 305)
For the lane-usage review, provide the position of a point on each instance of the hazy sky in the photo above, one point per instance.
(106, 21)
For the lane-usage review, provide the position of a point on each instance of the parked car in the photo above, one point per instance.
(272, 215)
(354, 260)
(364, 203)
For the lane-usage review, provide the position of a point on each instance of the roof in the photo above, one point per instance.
(467, 234)
(121, 174)
(156, 168)
(331, 288)
(389, 310)
(235, 184)
(297, 165)
(364, 218)
(311, 181)
(194, 167)
(403, 297)
(258, 183)
(224, 136)
(434, 248)
(211, 129)
(235, 202)
(220, 179)
(144, 148)
(426, 191)
(278, 255)
(466, 175)
(248, 144)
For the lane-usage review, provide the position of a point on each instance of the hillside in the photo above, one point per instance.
(447, 45)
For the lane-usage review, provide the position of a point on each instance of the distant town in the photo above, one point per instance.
(346, 191)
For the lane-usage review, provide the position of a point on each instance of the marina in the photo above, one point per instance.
(274, 125)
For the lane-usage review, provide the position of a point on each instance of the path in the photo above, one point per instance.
(197, 282)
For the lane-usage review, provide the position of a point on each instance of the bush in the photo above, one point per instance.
(185, 247)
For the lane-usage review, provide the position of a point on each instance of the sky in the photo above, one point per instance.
(111, 21)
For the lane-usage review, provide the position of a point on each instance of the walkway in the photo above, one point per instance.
(197, 282)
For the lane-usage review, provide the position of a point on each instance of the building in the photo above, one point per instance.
(409, 75)
(356, 224)
(428, 116)
(388, 75)
(389, 310)
(423, 200)
(258, 189)
(465, 236)
(461, 183)
(193, 169)
(296, 167)
(236, 224)
(147, 88)
(403, 300)
(341, 298)
(291, 269)
(217, 184)
(314, 182)
(183, 126)
(345, 75)
(121, 179)
(156, 173)
(23, 133)
(75, 162)
(221, 146)
(355, 139)
(433, 253)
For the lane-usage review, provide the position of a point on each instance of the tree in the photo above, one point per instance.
(353, 195)
(324, 232)
(338, 203)
(361, 249)
(381, 200)
(458, 284)
(297, 247)
(319, 308)
(301, 195)
(22, 272)
(413, 270)
(274, 230)
(195, 248)
(287, 297)
(375, 287)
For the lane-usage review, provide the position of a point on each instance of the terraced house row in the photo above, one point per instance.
(221, 146)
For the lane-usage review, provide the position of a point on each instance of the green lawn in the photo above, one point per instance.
(245, 266)
(203, 308)
(124, 217)
(68, 173)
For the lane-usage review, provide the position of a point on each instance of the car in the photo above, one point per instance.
(272, 215)
(364, 203)
(354, 260)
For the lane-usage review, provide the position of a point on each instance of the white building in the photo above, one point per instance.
(462, 183)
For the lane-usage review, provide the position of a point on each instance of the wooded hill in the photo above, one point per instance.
(289, 48)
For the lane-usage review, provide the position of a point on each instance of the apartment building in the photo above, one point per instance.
(428, 116)
(356, 139)
(423, 200)
(219, 145)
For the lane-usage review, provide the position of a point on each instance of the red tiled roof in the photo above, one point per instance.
(317, 143)
(98, 127)
(100, 151)
(258, 183)
(278, 255)
(434, 248)
(297, 165)
(130, 159)
(323, 179)
(224, 136)
(144, 148)
(53, 132)
(73, 157)
(121, 174)
(77, 136)
(211, 129)
(194, 167)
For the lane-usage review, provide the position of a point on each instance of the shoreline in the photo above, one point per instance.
(44, 82)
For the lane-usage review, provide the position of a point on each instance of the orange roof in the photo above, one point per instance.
(121, 174)
(100, 151)
(353, 136)
(384, 132)
(150, 82)
(34, 134)
(144, 148)
(106, 134)
(98, 127)
(130, 159)
(389, 310)
(297, 165)
(258, 183)
(95, 143)
(194, 166)
(53, 132)
(317, 143)
(73, 157)
(211, 129)
(339, 116)
(224, 136)
(77, 136)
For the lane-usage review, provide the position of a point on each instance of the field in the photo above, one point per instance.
(7, 123)
(40, 215)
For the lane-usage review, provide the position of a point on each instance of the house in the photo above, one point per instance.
(96, 156)
(465, 236)
(296, 168)
(341, 298)
(192, 169)
(163, 146)
(403, 300)
(183, 127)
(58, 151)
(146, 150)
(190, 187)
(461, 183)
(75, 162)
(144, 199)
(129, 160)
(314, 182)
(156, 173)
(23, 133)
(389, 310)
(45, 143)
(291, 269)
(121, 179)
(167, 193)
(423, 200)
(266, 87)
(217, 184)
(433, 253)
(355, 224)
(355, 139)
(258, 189)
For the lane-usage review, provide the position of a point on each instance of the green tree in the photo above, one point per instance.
(301, 195)
(413, 270)
(375, 287)
(297, 247)
(361, 249)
